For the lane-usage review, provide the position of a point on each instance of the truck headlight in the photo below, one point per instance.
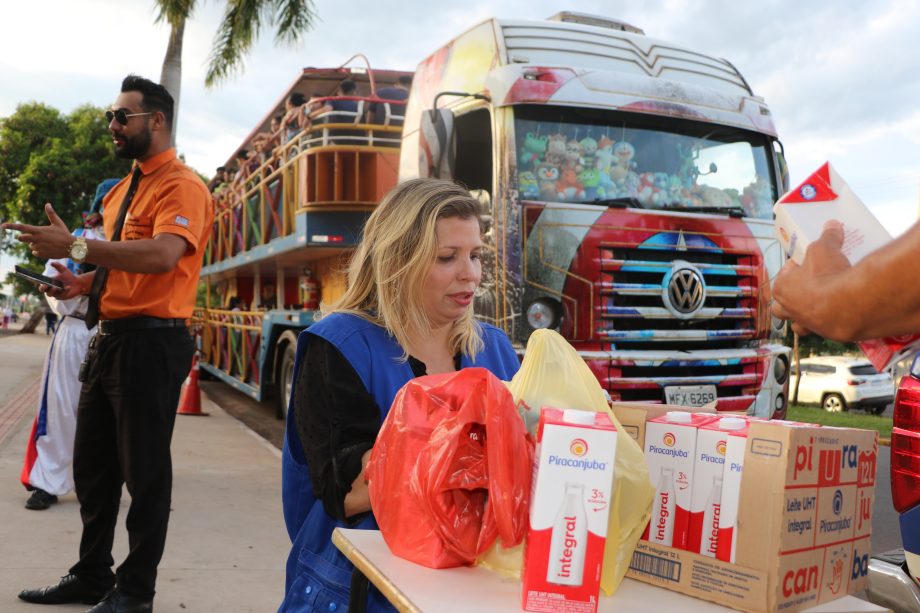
(543, 313)
(780, 369)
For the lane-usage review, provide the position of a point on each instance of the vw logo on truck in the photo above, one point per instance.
(683, 290)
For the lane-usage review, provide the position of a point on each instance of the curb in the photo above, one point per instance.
(884, 441)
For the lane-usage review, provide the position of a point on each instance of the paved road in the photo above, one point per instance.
(885, 531)
(21, 359)
(227, 545)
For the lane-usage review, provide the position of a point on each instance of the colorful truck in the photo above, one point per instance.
(627, 188)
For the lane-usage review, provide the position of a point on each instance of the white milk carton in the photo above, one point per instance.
(708, 484)
(823, 196)
(800, 217)
(670, 447)
(735, 444)
(569, 510)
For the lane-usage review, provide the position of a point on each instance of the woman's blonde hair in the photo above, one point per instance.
(397, 249)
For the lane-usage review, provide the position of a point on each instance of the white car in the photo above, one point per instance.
(840, 384)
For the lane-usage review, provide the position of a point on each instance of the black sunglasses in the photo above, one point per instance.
(122, 116)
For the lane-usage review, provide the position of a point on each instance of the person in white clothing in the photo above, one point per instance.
(47, 469)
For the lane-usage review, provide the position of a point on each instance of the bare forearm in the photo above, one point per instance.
(885, 298)
(151, 255)
(875, 298)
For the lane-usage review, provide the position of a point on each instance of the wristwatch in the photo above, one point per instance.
(78, 250)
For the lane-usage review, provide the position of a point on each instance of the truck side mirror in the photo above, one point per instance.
(436, 147)
(485, 208)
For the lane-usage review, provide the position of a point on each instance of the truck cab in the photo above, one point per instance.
(628, 185)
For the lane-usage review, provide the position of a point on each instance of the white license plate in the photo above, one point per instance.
(690, 395)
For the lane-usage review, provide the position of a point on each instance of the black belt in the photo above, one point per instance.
(128, 324)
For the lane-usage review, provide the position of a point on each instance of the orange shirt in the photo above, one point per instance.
(170, 199)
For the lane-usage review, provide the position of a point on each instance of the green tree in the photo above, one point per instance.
(242, 23)
(29, 129)
(49, 157)
(818, 345)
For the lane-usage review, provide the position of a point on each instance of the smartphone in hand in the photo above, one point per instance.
(37, 278)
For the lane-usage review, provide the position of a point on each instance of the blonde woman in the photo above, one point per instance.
(407, 312)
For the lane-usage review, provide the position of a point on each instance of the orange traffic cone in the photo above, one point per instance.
(190, 397)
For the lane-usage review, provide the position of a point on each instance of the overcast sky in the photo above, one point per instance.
(842, 77)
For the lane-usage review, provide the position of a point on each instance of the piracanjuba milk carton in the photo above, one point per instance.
(709, 485)
(670, 447)
(569, 510)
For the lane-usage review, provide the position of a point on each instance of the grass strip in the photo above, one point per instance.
(846, 419)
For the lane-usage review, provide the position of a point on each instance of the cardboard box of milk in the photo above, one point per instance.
(670, 448)
(569, 510)
(709, 466)
(804, 518)
(819, 481)
(800, 217)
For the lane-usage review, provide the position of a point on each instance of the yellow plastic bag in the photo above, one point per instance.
(553, 374)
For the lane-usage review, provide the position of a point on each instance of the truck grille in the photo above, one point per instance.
(646, 383)
(632, 313)
(643, 377)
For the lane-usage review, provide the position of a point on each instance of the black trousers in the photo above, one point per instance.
(125, 421)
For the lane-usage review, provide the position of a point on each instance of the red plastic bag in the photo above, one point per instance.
(451, 469)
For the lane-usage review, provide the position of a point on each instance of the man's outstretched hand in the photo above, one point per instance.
(49, 242)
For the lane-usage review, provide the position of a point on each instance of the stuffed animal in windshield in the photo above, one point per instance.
(587, 149)
(573, 155)
(603, 158)
(528, 186)
(555, 149)
(547, 176)
(533, 150)
(568, 187)
(623, 154)
(590, 179)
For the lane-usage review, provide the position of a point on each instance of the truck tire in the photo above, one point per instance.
(284, 379)
(834, 403)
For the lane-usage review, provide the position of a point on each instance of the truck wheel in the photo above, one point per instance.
(285, 380)
(878, 410)
(834, 403)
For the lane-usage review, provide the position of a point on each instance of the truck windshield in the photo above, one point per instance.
(630, 160)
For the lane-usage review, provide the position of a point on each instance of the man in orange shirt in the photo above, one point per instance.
(158, 221)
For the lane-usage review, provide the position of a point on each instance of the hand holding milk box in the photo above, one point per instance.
(800, 217)
(802, 212)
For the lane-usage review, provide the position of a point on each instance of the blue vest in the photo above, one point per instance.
(318, 575)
